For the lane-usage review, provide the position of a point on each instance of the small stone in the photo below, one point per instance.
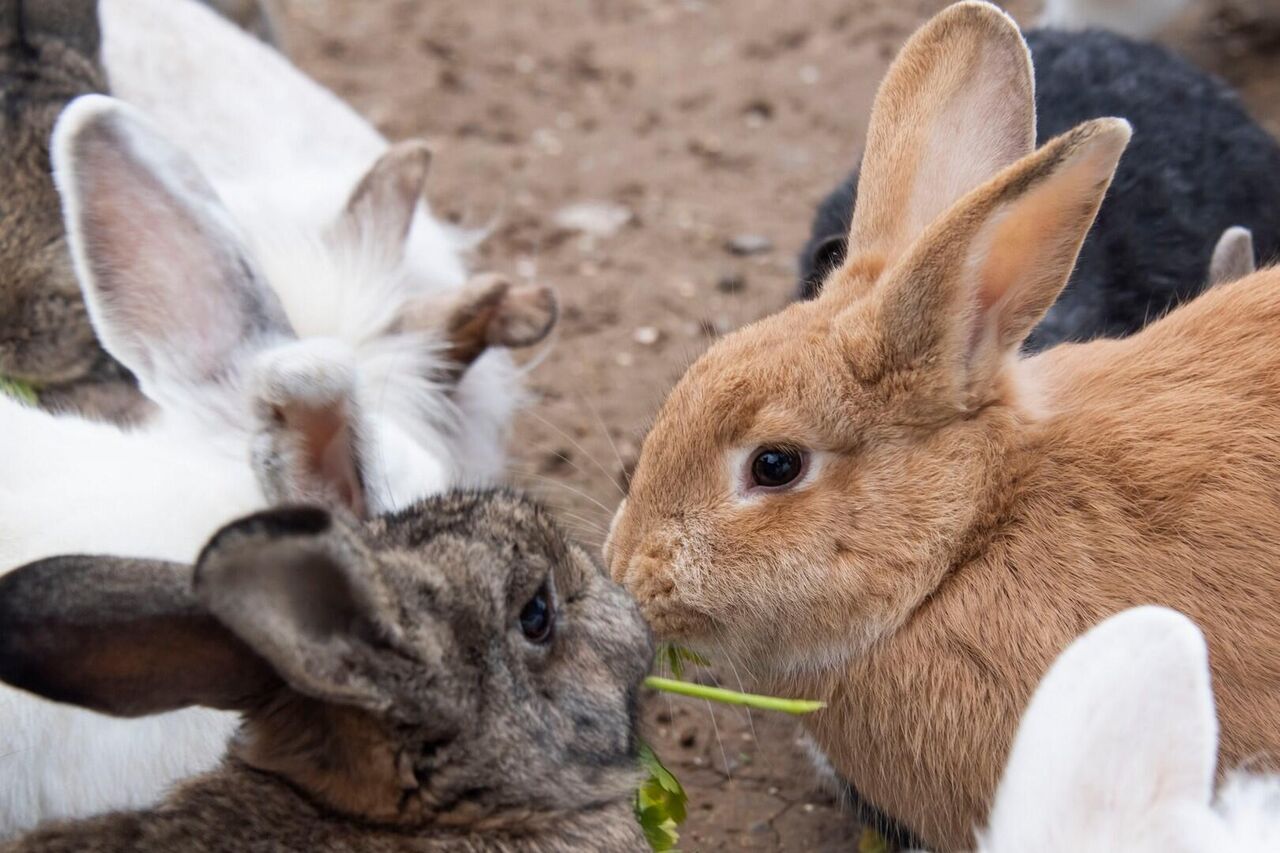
(596, 218)
(548, 142)
(646, 336)
(731, 282)
(527, 268)
(810, 75)
(687, 289)
(773, 791)
(749, 244)
(624, 359)
(808, 807)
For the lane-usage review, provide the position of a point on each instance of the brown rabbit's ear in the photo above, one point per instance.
(299, 588)
(121, 636)
(973, 287)
(381, 208)
(956, 107)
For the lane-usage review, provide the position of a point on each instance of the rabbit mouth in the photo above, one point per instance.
(673, 620)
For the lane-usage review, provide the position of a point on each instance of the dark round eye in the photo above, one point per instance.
(776, 466)
(538, 617)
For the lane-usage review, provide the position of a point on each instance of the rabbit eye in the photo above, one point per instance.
(538, 617)
(775, 467)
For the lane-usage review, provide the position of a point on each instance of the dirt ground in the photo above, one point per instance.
(693, 122)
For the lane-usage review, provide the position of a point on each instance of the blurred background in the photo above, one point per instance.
(658, 161)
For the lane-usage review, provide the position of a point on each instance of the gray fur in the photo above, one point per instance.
(48, 55)
(390, 699)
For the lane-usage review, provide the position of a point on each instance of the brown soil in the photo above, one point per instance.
(704, 119)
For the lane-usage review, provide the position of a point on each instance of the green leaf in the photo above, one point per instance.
(872, 842)
(677, 656)
(661, 803)
(19, 390)
(733, 697)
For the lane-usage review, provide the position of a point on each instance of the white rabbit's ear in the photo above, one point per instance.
(170, 285)
(309, 444)
(380, 211)
(1232, 256)
(1120, 734)
(491, 311)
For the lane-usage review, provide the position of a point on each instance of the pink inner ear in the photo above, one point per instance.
(328, 450)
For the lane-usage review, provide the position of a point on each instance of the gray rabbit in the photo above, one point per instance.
(48, 56)
(456, 676)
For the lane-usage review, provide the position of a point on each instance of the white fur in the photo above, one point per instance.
(283, 155)
(1133, 18)
(1117, 751)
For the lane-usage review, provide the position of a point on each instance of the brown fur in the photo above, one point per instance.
(966, 514)
(48, 55)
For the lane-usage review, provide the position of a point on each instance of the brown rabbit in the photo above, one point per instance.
(48, 56)
(869, 499)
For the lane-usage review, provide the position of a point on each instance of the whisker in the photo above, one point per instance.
(622, 466)
(567, 487)
(581, 449)
(724, 756)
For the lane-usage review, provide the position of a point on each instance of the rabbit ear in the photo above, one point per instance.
(1232, 257)
(120, 636)
(971, 289)
(380, 211)
(956, 107)
(490, 311)
(1121, 727)
(297, 586)
(170, 285)
(309, 447)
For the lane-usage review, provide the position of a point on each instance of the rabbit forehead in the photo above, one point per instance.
(481, 553)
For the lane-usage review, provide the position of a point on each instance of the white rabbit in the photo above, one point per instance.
(306, 331)
(1117, 751)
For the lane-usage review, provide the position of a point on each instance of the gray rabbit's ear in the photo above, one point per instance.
(171, 287)
(121, 636)
(1233, 256)
(380, 211)
(491, 311)
(300, 589)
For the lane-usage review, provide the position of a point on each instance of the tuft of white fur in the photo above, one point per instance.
(1133, 18)
(283, 156)
(1117, 751)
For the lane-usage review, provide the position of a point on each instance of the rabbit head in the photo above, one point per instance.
(814, 471)
(1117, 751)
(460, 663)
(373, 385)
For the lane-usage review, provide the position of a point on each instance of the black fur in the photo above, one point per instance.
(1197, 165)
